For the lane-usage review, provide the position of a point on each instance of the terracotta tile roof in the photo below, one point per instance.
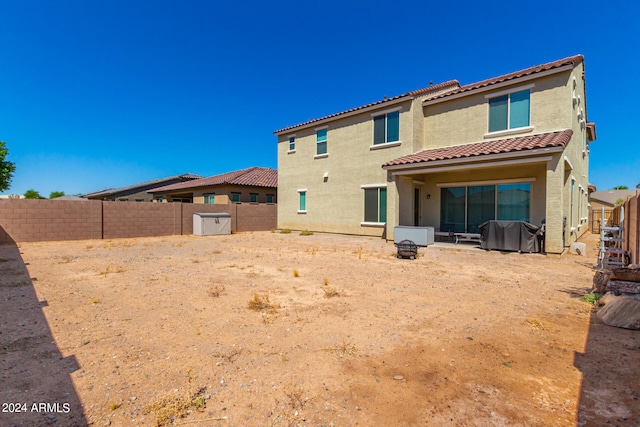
(521, 143)
(142, 185)
(451, 83)
(254, 176)
(571, 60)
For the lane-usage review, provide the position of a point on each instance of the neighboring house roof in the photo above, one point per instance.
(434, 88)
(142, 185)
(70, 197)
(509, 145)
(254, 176)
(572, 60)
(609, 197)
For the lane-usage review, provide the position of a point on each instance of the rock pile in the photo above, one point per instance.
(622, 286)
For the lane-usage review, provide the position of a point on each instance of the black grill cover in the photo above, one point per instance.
(509, 236)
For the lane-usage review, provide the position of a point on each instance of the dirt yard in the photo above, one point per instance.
(268, 329)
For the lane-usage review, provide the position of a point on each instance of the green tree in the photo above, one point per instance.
(55, 194)
(32, 194)
(7, 168)
(620, 187)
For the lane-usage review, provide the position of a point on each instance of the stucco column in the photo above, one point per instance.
(405, 200)
(393, 205)
(554, 205)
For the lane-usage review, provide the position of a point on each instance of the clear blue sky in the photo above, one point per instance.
(97, 94)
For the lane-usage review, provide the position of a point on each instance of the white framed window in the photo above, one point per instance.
(292, 144)
(209, 199)
(510, 109)
(302, 201)
(321, 142)
(375, 205)
(386, 127)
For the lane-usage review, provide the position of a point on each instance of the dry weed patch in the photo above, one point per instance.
(296, 396)
(216, 290)
(344, 349)
(171, 406)
(330, 292)
(110, 269)
(262, 303)
(538, 325)
(228, 356)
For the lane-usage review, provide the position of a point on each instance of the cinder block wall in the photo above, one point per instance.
(42, 220)
(48, 220)
(255, 217)
(124, 219)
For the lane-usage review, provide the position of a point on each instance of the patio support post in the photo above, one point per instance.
(393, 205)
(554, 205)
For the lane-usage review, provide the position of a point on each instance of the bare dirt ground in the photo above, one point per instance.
(268, 329)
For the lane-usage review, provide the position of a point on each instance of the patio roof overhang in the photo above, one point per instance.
(513, 151)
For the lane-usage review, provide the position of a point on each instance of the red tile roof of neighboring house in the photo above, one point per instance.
(254, 176)
(434, 88)
(521, 143)
(572, 60)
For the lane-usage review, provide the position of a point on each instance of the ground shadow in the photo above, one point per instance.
(610, 366)
(36, 389)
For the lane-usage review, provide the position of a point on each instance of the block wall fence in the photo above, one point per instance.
(631, 225)
(48, 220)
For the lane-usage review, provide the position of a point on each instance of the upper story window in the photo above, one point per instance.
(253, 198)
(235, 197)
(321, 141)
(270, 198)
(209, 199)
(292, 143)
(386, 128)
(509, 111)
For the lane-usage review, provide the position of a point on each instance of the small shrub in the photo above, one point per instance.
(325, 281)
(306, 233)
(113, 406)
(229, 356)
(216, 290)
(295, 273)
(171, 406)
(591, 298)
(261, 303)
(285, 231)
(95, 300)
(330, 292)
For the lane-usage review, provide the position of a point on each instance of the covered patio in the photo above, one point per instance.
(455, 189)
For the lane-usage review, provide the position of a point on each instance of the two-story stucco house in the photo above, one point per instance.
(513, 147)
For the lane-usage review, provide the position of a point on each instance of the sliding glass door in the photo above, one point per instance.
(463, 209)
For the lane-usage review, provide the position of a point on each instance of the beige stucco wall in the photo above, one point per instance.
(223, 193)
(337, 203)
(466, 120)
